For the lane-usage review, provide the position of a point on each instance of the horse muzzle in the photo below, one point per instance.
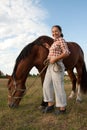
(12, 105)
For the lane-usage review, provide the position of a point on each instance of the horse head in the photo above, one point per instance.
(16, 90)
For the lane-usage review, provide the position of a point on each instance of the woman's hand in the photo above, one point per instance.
(46, 45)
(52, 60)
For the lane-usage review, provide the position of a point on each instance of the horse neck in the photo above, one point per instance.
(23, 69)
(35, 58)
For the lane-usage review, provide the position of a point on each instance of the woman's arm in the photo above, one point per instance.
(46, 45)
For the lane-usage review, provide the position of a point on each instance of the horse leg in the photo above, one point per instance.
(79, 73)
(43, 104)
(73, 80)
(79, 96)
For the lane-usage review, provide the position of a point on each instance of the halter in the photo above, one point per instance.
(15, 90)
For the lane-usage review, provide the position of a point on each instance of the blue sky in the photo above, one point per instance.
(19, 20)
(71, 15)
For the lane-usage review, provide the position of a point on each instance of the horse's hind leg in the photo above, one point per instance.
(79, 73)
(79, 97)
(73, 80)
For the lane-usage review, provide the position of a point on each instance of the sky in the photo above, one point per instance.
(23, 21)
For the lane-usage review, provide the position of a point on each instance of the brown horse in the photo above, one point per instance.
(34, 54)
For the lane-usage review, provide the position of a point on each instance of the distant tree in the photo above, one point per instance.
(1, 73)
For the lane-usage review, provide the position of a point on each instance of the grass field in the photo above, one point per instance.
(28, 117)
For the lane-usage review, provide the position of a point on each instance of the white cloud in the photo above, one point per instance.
(21, 21)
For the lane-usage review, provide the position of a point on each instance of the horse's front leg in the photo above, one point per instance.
(73, 80)
(43, 104)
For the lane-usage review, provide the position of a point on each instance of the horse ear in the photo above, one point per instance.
(8, 76)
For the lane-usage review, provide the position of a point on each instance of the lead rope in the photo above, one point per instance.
(46, 63)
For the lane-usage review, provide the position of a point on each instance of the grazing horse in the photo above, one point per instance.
(34, 54)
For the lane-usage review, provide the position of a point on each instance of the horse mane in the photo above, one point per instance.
(27, 50)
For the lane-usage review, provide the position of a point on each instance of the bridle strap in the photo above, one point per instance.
(15, 97)
(15, 90)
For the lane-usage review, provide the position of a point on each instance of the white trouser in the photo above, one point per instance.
(54, 83)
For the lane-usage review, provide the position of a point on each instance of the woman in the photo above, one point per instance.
(54, 78)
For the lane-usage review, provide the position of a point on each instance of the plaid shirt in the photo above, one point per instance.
(58, 47)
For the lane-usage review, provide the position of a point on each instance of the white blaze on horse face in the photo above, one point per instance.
(79, 96)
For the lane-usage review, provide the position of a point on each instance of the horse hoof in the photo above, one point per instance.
(78, 100)
(69, 97)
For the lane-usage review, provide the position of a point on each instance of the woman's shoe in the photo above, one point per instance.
(48, 109)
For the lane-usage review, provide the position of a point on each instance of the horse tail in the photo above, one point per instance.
(84, 79)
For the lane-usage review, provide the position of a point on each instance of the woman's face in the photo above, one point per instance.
(56, 32)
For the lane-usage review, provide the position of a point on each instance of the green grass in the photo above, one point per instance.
(28, 117)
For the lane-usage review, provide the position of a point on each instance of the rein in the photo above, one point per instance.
(46, 62)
